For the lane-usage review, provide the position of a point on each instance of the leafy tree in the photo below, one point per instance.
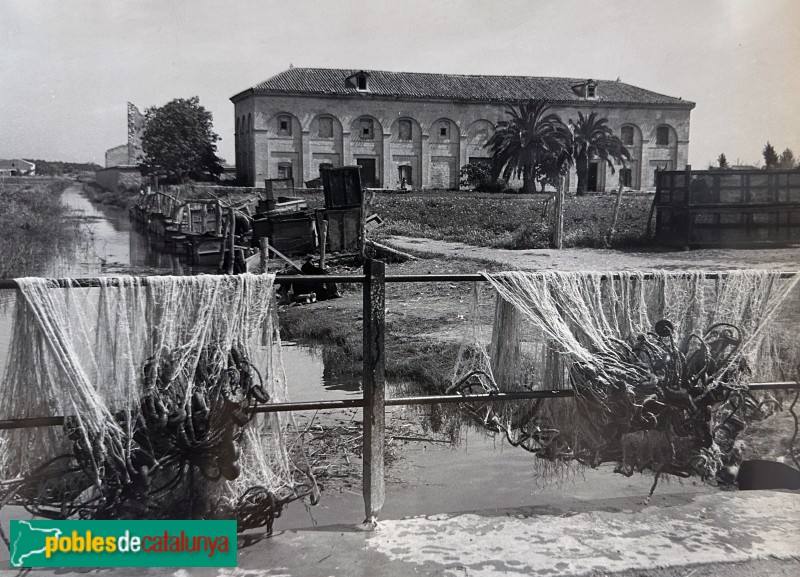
(556, 165)
(522, 144)
(179, 140)
(723, 162)
(478, 175)
(787, 159)
(770, 156)
(592, 138)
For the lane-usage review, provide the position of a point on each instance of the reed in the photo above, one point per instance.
(35, 227)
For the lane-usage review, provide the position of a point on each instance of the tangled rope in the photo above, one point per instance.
(656, 397)
(159, 383)
(148, 463)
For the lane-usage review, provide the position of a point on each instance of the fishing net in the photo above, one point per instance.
(158, 380)
(659, 364)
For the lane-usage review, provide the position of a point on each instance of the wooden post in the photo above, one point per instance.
(232, 241)
(558, 226)
(688, 216)
(222, 238)
(613, 230)
(374, 384)
(323, 240)
(263, 244)
(362, 230)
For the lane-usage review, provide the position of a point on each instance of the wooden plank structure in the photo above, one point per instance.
(720, 208)
(344, 208)
(283, 220)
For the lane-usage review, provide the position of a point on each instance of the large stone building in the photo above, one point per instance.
(422, 128)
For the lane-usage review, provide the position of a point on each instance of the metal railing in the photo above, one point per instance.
(373, 401)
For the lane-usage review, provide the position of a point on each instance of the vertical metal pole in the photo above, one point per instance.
(374, 383)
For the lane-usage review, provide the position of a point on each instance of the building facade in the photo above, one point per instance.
(17, 167)
(122, 162)
(420, 129)
(130, 153)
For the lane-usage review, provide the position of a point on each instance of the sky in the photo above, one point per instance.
(67, 69)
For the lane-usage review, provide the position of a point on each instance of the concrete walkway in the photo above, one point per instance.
(725, 533)
(706, 529)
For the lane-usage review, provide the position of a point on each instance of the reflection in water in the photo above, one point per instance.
(311, 376)
(113, 245)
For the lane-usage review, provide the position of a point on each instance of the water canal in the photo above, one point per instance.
(427, 477)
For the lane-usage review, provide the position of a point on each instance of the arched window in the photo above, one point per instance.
(367, 129)
(325, 127)
(662, 135)
(284, 127)
(626, 135)
(404, 129)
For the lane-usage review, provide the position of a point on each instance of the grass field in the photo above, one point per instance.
(511, 221)
(33, 227)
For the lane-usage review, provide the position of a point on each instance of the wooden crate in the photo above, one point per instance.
(290, 234)
(344, 228)
(342, 187)
(727, 207)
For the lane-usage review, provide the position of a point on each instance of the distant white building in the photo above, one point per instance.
(130, 153)
(122, 162)
(17, 167)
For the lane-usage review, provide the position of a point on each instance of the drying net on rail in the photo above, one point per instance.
(659, 363)
(158, 379)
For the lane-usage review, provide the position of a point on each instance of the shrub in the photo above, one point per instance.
(478, 175)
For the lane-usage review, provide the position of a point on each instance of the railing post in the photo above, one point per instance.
(232, 241)
(263, 247)
(374, 384)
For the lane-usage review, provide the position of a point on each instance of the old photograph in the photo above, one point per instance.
(399, 288)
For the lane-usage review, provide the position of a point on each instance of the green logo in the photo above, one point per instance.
(41, 543)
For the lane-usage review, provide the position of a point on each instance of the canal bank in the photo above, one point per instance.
(729, 534)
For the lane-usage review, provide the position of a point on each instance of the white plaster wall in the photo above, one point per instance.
(465, 142)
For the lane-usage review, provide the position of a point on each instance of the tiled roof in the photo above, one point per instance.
(422, 86)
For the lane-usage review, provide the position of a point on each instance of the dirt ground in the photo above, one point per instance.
(444, 310)
(422, 314)
(579, 259)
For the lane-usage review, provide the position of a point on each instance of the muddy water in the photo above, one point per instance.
(429, 478)
(113, 246)
(480, 473)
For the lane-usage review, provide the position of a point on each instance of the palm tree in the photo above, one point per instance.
(522, 144)
(592, 138)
